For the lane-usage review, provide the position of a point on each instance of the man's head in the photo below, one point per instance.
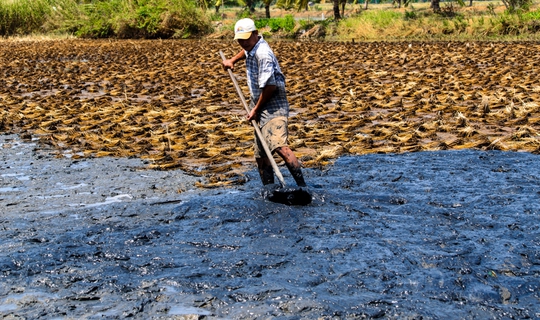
(243, 29)
(246, 33)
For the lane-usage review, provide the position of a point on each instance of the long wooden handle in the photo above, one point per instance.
(255, 125)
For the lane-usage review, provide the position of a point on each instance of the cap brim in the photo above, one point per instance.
(242, 35)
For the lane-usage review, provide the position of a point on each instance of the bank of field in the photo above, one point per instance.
(180, 19)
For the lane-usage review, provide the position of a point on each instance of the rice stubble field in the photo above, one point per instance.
(169, 102)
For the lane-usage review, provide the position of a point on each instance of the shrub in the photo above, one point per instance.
(306, 24)
(513, 6)
(22, 16)
(286, 23)
(533, 15)
(381, 18)
(105, 18)
(96, 19)
(410, 15)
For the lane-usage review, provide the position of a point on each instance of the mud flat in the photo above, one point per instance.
(33, 179)
(433, 235)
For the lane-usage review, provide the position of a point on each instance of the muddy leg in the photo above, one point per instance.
(292, 164)
(265, 170)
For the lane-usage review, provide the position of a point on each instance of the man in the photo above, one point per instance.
(270, 107)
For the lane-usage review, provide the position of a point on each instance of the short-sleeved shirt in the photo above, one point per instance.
(262, 70)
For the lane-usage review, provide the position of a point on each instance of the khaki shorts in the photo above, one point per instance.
(275, 133)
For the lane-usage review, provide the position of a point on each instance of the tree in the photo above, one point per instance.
(250, 4)
(288, 4)
(517, 5)
(404, 3)
(267, 7)
(337, 15)
(303, 4)
(436, 5)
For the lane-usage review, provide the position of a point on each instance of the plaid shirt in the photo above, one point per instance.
(262, 70)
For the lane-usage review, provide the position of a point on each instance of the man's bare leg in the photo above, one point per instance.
(265, 170)
(292, 164)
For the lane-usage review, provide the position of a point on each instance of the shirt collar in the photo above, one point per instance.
(252, 52)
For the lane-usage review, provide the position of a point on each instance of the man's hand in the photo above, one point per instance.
(253, 115)
(228, 64)
(266, 94)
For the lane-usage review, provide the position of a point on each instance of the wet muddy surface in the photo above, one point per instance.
(433, 235)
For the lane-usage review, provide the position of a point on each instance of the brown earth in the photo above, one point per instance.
(171, 103)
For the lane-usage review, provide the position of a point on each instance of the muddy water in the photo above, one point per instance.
(436, 235)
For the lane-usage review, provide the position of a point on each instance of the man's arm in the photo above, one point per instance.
(266, 94)
(229, 63)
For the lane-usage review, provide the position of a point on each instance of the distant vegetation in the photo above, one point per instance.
(398, 20)
(104, 18)
(453, 22)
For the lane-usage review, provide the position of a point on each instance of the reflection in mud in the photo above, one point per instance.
(451, 234)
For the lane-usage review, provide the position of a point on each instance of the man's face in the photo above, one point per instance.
(250, 42)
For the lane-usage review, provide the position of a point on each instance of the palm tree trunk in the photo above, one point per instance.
(337, 16)
(250, 4)
(435, 5)
(267, 9)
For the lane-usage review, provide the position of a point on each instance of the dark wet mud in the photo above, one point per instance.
(431, 235)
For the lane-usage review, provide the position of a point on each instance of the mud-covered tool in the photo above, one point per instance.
(283, 194)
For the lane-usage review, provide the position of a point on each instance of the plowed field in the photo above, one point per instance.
(170, 101)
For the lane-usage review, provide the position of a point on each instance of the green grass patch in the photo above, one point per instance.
(286, 23)
(379, 18)
(454, 23)
(105, 18)
(22, 16)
